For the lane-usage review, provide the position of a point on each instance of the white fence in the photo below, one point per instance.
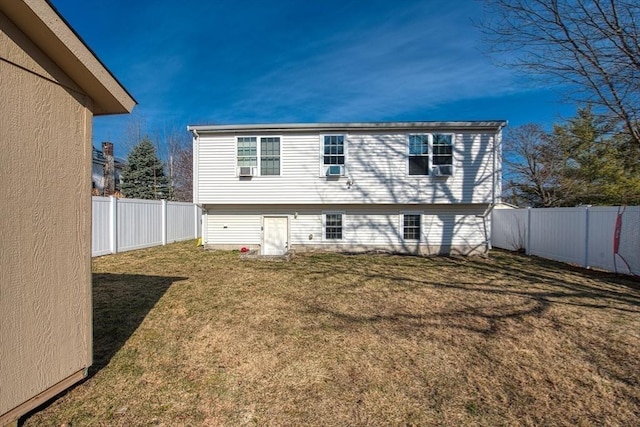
(120, 225)
(581, 235)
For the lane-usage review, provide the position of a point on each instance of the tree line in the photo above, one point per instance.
(581, 161)
(147, 176)
(590, 51)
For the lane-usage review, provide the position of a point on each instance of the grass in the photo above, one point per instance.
(188, 337)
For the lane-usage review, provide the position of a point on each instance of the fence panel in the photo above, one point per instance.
(100, 226)
(509, 229)
(139, 224)
(628, 258)
(126, 224)
(558, 233)
(181, 226)
(582, 235)
(602, 221)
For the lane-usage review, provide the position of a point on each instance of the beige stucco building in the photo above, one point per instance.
(51, 86)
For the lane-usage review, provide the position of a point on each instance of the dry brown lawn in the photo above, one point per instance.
(188, 337)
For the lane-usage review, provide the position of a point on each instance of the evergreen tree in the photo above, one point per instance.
(581, 162)
(607, 173)
(143, 177)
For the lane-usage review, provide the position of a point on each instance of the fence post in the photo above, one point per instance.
(164, 221)
(586, 237)
(113, 224)
(195, 221)
(527, 249)
(205, 228)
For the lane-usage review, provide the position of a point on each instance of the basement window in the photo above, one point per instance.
(333, 226)
(411, 226)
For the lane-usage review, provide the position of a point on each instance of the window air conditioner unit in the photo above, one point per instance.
(246, 171)
(335, 170)
(442, 170)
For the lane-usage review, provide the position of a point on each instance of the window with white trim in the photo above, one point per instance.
(270, 155)
(333, 226)
(267, 151)
(247, 151)
(333, 149)
(418, 154)
(430, 154)
(411, 226)
(442, 146)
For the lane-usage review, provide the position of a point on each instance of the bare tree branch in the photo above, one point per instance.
(592, 47)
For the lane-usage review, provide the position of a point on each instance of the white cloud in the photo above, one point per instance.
(413, 60)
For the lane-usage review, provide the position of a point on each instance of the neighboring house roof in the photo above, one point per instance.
(370, 126)
(42, 23)
(98, 158)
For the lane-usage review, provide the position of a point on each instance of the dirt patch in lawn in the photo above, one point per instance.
(189, 337)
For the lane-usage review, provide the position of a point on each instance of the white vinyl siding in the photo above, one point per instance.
(376, 170)
(365, 226)
(453, 228)
(233, 228)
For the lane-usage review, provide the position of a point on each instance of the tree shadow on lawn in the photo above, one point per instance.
(507, 296)
(518, 286)
(564, 281)
(120, 304)
(535, 278)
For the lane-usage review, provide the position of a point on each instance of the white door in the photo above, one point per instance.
(275, 235)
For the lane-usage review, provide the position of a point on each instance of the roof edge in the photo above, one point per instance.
(52, 34)
(369, 126)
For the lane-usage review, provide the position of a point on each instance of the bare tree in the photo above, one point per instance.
(590, 46)
(534, 166)
(180, 165)
(134, 132)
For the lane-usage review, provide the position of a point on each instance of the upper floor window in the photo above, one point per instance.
(267, 151)
(270, 156)
(418, 154)
(430, 154)
(333, 149)
(442, 150)
(247, 151)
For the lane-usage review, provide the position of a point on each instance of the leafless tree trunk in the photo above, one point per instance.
(534, 166)
(181, 165)
(591, 47)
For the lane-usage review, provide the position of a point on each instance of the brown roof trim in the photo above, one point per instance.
(44, 25)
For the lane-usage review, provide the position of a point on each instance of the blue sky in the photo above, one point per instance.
(225, 61)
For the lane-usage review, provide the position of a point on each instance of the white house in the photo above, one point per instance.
(413, 187)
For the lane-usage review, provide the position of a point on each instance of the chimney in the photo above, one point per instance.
(109, 173)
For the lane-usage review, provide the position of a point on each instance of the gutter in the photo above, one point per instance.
(360, 126)
(497, 143)
(194, 172)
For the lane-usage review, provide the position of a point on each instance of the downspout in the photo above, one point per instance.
(496, 178)
(497, 156)
(196, 146)
(195, 184)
